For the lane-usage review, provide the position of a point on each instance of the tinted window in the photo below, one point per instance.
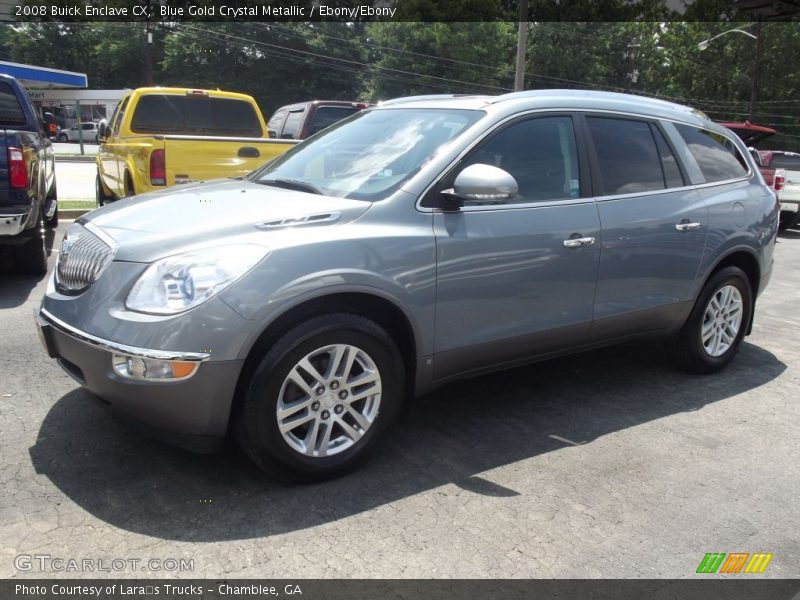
(715, 154)
(198, 115)
(325, 116)
(672, 172)
(87, 126)
(292, 124)
(540, 154)
(10, 110)
(785, 161)
(276, 120)
(120, 114)
(627, 155)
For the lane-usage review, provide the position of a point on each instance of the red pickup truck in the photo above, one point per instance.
(772, 171)
(299, 121)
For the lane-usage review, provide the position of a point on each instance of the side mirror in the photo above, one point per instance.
(102, 131)
(482, 183)
(271, 133)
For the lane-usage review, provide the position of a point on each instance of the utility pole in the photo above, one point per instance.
(522, 40)
(148, 49)
(756, 72)
(80, 124)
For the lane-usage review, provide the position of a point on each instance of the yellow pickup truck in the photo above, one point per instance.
(159, 137)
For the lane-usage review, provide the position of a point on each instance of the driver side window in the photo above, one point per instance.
(541, 155)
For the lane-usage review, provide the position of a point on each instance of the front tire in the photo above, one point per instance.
(321, 398)
(712, 334)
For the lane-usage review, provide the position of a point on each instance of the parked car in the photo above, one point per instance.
(775, 178)
(787, 165)
(418, 242)
(159, 137)
(302, 120)
(73, 134)
(28, 196)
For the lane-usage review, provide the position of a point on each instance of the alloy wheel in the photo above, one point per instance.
(329, 400)
(722, 320)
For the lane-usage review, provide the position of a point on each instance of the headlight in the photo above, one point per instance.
(178, 283)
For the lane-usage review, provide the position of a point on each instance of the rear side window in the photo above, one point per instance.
(276, 120)
(717, 156)
(328, 115)
(292, 125)
(10, 110)
(195, 115)
(627, 155)
(790, 162)
(117, 115)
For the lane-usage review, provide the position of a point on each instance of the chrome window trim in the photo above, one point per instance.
(113, 347)
(565, 202)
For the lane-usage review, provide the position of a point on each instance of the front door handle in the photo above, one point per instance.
(687, 226)
(578, 242)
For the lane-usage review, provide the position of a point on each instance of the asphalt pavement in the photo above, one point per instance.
(605, 464)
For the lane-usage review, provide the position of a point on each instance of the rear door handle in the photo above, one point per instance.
(578, 242)
(687, 226)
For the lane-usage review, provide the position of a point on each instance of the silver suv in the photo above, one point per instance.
(419, 241)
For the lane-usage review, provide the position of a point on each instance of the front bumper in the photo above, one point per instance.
(192, 413)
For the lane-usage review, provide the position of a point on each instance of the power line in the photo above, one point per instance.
(357, 63)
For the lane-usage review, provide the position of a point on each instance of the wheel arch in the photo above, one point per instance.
(745, 259)
(384, 311)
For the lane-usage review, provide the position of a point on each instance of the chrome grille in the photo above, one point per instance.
(82, 258)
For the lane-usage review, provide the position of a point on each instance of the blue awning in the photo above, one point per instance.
(41, 77)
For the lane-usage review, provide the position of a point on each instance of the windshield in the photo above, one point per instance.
(369, 155)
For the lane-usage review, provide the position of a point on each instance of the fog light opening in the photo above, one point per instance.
(135, 367)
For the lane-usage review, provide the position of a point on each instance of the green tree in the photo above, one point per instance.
(425, 58)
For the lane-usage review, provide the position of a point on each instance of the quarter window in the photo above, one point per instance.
(539, 153)
(276, 121)
(628, 158)
(292, 125)
(672, 172)
(716, 155)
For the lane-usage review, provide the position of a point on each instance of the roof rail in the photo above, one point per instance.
(405, 99)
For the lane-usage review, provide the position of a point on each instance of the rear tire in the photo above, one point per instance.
(129, 191)
(30, 257)
(712, 334)
(341, 418)
(788, 220)
(101, 198)
(52, 222)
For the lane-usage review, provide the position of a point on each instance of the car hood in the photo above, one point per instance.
(158, 224)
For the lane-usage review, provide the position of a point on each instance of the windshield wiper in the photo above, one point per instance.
(291, 184)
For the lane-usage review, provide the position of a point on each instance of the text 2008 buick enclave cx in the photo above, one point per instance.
(419, 241)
